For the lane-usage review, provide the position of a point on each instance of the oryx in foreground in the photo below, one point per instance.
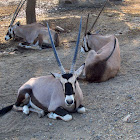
(56, 95)
(103, 59)
(34, 34)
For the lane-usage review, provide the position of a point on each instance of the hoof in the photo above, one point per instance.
(81, 110)
(67, 117)
(41, 114)
(26, 110)
(52, 115)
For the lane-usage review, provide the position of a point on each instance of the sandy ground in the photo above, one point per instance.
(107, 103)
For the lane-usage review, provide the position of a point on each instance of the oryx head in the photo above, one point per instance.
(68, 80)
(85, 46)
(10, 33)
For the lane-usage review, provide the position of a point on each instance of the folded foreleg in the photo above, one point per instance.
(60, 113)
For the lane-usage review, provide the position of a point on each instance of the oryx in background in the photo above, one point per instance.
(103, 59)
(57, 94)
(35, 34)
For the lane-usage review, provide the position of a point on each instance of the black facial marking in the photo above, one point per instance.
(75, 84)
(68, 86)
(7, 33)
(85, 49)
(88, 47)
(88, 33)
(67, 75)
(68, 89)
(10, 36)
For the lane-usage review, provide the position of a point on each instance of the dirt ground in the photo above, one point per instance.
(107, 103)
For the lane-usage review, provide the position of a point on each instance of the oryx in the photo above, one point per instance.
(34, 34)
(57, 94)
(103, 59)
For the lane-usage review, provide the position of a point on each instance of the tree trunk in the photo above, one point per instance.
(30, 11)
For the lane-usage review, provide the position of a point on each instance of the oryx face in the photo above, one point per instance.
(10, 33)
(69, 86)
(85, 46)
(69, 82)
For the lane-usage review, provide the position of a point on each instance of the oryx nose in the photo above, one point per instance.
(69, 102)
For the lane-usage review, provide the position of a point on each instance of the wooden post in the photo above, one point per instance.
(30, 11)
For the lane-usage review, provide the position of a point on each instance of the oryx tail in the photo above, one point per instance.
(5, 110)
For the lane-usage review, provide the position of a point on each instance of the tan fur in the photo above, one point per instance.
(34, 32)
(97, 68)
(48, 93)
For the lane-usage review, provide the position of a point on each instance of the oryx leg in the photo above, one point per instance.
(26, 110)
(39, 112)
(29, 45)
(38, 42)
(81, 109)
(60, 113)
(22, 103)
(25, 45)
(36, 109)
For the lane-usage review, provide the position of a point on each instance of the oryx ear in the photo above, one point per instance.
(56, 75)
(79, 71)
(18, 23)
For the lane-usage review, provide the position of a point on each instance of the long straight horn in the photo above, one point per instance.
(55, 53)
(17, 11)
(76, 49)
(97, 17)
(86, 25)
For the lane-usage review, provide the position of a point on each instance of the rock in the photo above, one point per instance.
(129, 96)
(127, 118)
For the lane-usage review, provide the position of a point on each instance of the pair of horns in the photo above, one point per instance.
(75, 54)
(95, 19)
(17, 11)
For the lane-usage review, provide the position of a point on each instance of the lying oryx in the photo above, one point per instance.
(56, 95)
(103, 59)
(34, 34)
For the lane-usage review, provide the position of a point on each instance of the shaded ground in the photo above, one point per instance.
(107, 103)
